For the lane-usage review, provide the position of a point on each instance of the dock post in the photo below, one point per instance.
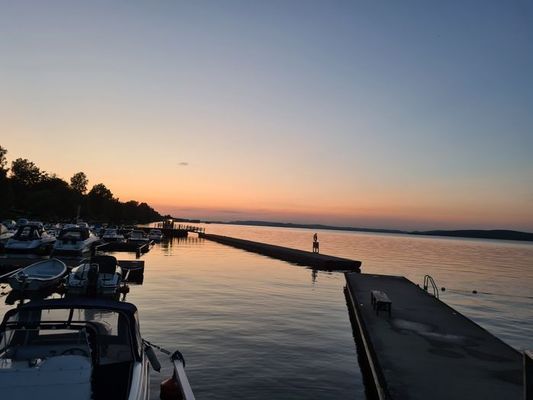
(528, 374)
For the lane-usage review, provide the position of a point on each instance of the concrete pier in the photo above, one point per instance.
(307, 258)
(426, 349)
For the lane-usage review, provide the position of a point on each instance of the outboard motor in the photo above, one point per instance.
(92, 279)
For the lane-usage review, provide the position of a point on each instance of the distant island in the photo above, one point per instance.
(499, 234)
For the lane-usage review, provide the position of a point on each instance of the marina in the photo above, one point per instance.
(175, 273)
(304, 200)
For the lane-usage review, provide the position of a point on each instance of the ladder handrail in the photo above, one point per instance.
(428, 279)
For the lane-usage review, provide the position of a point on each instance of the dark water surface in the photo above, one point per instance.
(258, 328)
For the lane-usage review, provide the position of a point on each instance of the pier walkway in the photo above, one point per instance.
(307, 258)
(173, 229)
(426, 349)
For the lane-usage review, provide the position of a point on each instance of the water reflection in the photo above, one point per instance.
(258, 328)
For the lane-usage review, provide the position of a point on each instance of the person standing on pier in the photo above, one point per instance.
(315, 243)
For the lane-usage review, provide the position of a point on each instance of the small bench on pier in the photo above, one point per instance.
(380, 301)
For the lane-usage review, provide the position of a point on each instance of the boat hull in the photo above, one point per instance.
(74, 248)
(38, 276)
(33, 285)
(29, 247)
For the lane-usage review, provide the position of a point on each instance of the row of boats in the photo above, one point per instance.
(84, 345)
(71, 240)
(99, 275)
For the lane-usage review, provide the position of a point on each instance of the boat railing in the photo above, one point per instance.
(428, 280)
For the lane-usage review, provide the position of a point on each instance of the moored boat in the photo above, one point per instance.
(38, 276)
(155, 234)
(73, 348)
(97, 276)
(5, 235)
(76, 241)
(138, 237)
(112, 235)
(81, 349)
(30, 239)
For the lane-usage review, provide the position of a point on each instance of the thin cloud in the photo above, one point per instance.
(183, 163)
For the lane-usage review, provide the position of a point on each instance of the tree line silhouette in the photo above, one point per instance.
(27, 191)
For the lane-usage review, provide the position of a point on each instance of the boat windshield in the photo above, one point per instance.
(54, 331)
(27, 233)
(68, 234)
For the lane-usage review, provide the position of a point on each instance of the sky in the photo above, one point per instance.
(388, 114)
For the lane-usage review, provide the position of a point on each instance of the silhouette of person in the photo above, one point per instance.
(315, 243)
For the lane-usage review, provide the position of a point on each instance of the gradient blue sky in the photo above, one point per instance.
(411, 114)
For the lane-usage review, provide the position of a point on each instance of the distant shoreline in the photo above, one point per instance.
(497, 234)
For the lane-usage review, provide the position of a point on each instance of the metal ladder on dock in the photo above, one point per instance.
(428, 280)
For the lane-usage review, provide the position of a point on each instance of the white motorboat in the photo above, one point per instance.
(76, 241)
(81, 349)
(138, 237)
(112, 235)
(97, 276)
(38, 276)
(5, 235)
(73, 348)
(155, 234)
(30, 239)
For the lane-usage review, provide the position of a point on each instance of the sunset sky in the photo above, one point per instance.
(391, 114)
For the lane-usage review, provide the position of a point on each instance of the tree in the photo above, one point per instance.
(79, 182)
(101, 191)
(3, 161)
(52, 198)
(25, 172)
(6, 196)
(100, 202)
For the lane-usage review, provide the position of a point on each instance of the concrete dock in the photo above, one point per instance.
(307, 258)
(426, 349)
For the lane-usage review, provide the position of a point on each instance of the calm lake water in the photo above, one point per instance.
(258, 328)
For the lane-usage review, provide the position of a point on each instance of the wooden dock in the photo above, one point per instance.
(300, 257)
(137, 248)
(172, 229)
(426, 349)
